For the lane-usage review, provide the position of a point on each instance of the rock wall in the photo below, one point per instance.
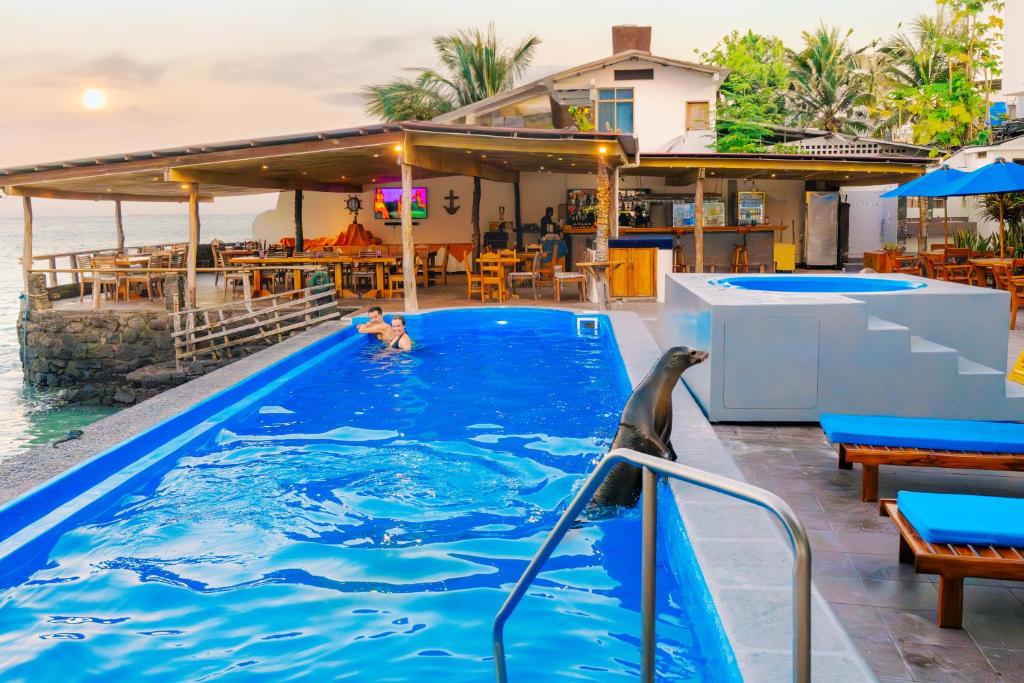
(90, 354)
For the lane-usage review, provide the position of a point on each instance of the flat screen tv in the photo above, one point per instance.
(387, 203)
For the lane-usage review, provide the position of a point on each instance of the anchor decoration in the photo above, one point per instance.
(451, 207)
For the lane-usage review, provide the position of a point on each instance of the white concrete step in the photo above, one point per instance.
(1014, 391)
(879, 324)
(965, 366)
(922, 345)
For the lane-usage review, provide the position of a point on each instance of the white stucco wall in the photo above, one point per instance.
(659, 110)
(1013, 49)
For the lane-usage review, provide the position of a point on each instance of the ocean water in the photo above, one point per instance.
(362, 518)
(30, 417)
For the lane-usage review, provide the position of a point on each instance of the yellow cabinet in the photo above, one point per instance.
(637, 275)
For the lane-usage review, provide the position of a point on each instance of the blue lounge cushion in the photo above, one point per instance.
(964, 519)
(920, 432)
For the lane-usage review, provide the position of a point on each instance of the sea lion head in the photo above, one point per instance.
(678, 358)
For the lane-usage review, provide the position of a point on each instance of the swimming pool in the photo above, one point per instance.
(357, 515)
(841, 284)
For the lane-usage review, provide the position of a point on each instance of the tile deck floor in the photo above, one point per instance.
(888, 610)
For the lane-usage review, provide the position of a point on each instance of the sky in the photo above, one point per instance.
(189, 72)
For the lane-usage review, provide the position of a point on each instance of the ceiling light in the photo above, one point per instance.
(375, 156)
(265, 167)
(602, 150)
(398, 148)
(185, 186)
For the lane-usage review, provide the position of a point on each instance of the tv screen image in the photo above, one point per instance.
(387, 203)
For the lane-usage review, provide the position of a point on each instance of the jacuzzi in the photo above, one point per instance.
(786, 348)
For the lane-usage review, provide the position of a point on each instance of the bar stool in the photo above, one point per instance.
(740, 259)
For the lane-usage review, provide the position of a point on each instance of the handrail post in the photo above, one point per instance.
(652, 467)
(648, 609)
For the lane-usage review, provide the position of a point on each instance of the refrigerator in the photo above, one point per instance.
(821, 240)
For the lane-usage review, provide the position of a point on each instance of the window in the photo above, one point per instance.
(696, 116)
(634, 74)
(615, 110)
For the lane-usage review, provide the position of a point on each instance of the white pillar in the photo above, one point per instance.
(408, 243)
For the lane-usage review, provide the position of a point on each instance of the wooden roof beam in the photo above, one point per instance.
(44, 193)
(795, 165)
(452, 163)
(485, 143)
(269, 182)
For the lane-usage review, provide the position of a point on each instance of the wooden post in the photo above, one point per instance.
(26, 244)
(300, 241)
(475, 217)
(119, 225)
(408, 244)
(698, 224)
(945, 222)
(518, 216)
(614, 211)
(1002, 230)
(193, 244)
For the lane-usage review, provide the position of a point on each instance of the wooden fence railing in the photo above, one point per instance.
(220, 332)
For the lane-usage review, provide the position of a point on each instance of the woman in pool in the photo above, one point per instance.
(400, 340)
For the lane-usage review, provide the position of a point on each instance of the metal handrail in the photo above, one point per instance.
(652, 467)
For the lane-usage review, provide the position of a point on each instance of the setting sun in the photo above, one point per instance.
(94, 99)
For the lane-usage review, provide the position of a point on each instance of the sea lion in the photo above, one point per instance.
(646, 426)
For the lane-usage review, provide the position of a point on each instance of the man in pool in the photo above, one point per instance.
(400, 340)
(377, 325)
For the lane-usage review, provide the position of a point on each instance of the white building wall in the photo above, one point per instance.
(659, 110)
(1013, 49)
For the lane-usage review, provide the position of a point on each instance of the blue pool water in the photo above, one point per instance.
(839, 284)
(359, 517)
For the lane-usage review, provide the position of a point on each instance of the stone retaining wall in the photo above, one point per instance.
(90, 354)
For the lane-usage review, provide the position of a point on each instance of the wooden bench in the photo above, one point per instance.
(953, 563)
(870, 457)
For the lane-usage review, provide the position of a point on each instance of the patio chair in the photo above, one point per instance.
(101, 276)
(954, 266)
(473, 285)
(909, 264)
(958, 536)
(439, 269)
(562, 278)
(365, 273)
(554, 255)
(140, 279)
(491, 282)
(1014, 284)
(922, 442)
(531, 275)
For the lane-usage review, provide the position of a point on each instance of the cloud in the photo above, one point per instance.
(58, 70)
(344, 99)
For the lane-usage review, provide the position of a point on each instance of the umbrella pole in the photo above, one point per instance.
(945, 222)
(922, 231)
(1002, 230)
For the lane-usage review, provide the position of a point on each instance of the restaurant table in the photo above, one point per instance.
(599, 270)
(301, 263)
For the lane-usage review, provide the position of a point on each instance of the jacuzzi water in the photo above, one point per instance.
(362, 518)
(837, 284)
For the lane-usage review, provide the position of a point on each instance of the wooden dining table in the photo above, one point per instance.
(299, 264)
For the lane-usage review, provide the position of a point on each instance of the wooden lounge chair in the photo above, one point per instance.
(922, 442)
(955, 560)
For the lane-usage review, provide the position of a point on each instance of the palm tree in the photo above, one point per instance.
(826, 88)
(475, 65)
(909, 62)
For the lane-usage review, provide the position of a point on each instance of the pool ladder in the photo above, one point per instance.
(652, 467)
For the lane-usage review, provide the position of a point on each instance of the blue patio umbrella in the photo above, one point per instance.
(934, 184)
(999, 178)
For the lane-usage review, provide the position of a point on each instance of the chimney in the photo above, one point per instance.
(629, 37)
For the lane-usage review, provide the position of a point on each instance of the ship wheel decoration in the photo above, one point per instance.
(354, 204)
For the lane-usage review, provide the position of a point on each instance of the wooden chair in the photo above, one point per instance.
(531, 275)
(102, 276)
(954, 266)
(439, 269)
(422, 258)
(365, 273)
(473, 285)
(562, 278)
(141, 279)
(234, 278)
(905, 263)
(218, 259)
(1014, 284)
(953, 563)
(491, 281)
